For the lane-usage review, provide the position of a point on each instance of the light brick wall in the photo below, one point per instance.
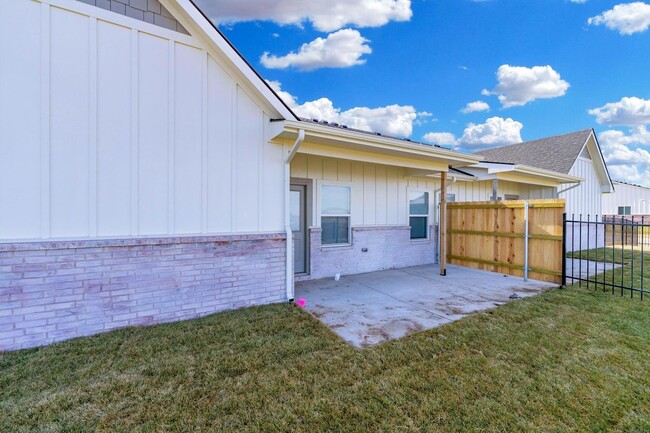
(150, 11)
(53, 291)
(389, 247)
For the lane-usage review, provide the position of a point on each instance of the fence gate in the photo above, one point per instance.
(494, 236)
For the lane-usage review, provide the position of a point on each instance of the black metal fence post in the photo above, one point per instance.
(564, 249)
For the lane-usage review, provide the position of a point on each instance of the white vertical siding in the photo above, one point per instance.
(585, 199)
(482, 190)
(188, 127)
(153, 137)
(638, 198)
(114, 164)
(221, 148)
(379, 193)
(69, 124)
(110, 126)
(20, 147)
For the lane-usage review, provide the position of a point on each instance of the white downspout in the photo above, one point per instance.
(287, 213)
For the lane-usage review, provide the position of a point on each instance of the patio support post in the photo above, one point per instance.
(495, 189)
(442, 226)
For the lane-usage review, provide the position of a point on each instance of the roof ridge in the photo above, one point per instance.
(536, 139)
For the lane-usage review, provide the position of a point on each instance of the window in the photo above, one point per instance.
(335, 215)
(419, 214)
(625, 210)
(510, 197)
(451, 198)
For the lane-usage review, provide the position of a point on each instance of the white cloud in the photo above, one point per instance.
(627, 18)
(423, 118)
(495, 132)
(519, 85)
(325, 15)
(391, 120)
(630, 111)
(626, 158)
(441, 138)
(339, 50)
(395, 120)
(476, 106)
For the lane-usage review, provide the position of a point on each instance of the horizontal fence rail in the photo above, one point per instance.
(606, 253)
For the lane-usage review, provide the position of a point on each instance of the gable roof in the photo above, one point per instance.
(557, 153)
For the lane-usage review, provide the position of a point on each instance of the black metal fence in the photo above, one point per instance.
(607, 253)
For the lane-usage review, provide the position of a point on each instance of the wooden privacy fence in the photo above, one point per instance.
(491, 236)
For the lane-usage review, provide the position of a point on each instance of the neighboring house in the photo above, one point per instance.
(148, 174)
(576, 155)
(628, 199)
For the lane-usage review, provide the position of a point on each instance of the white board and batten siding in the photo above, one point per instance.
(585, 199)
(111, 127)
(626, 195)
(380, 193)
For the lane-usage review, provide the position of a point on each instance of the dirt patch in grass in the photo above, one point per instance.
(567, 360)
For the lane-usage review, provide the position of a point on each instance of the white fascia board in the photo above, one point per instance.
(547, 174)
(201, 22)
(380, 142)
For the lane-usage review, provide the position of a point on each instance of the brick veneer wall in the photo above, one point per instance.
(53, 291)
(150, 11)
(389, 247)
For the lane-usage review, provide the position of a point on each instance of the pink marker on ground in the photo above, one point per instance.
(301, 302)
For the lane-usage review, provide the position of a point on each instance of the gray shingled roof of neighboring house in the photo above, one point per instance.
(556, 153)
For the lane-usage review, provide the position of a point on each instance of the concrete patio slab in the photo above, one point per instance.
(586, 269)
(367, 309)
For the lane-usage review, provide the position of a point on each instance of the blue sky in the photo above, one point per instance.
(409, 68)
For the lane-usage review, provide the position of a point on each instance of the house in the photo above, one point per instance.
(569, 166)
(148, 174)
(576, 155)
(628, 199)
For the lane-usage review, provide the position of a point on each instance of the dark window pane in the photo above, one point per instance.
(418, 227)
(335, 230)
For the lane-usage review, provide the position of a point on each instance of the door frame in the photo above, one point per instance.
(309, 206)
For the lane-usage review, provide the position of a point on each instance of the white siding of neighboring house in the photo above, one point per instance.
(148, 134)
(482, 190)
(637, 197)
(585, 199)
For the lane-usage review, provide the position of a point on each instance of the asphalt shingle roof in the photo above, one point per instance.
(556, 153)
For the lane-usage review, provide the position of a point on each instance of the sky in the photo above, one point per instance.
(465, 74)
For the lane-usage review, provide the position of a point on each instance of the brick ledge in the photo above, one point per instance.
(133, 242)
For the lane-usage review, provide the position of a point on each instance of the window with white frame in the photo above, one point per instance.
(625, 210)
(451, 198)
(419, 214)
(335, 215)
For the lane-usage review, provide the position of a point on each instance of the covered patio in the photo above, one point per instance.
(376, 307)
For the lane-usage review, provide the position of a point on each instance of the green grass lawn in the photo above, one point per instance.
(635, 272)
(567, 360)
